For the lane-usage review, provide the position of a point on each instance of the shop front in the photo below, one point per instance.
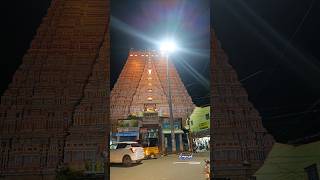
(166, 135)
(150, 139)
(127, 130)
(127, 136)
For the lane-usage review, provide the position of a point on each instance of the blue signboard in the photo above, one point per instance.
(129, 133)
(185, 156)
(166, 125)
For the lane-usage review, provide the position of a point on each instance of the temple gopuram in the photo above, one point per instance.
(239, 143)
(141, 90)
(55, 111)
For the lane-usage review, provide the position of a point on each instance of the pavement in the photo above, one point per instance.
(168, 167)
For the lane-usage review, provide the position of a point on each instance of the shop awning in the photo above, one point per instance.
(168, 131)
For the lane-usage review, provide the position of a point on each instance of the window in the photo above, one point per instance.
(149, 71)
(207, 116)
(90, 155)
(149, 98)
(136, 145)
(113, 146)
(27, 160)
(312, 172)
(77, 155)
(121, 145)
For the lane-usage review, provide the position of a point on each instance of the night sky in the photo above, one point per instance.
(277, 42)
(273, 45)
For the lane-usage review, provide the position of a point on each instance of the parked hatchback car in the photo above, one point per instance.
(126, 153)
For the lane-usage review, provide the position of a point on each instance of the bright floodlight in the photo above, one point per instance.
(168, 46)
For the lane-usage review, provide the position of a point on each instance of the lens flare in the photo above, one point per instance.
(168, 46)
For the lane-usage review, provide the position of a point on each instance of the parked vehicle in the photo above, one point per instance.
(152, 152)
(151, 148)
(126, 153)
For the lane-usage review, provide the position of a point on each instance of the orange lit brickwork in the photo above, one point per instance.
(142, 84)
(61, 88)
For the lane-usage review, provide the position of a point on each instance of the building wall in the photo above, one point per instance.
(199, 119)
(291, 162)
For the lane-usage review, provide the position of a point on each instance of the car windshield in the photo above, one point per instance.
(151, 142)
(122, 145)
(136, 145)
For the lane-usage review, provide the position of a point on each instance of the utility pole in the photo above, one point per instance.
(190, 136)
(173, 142)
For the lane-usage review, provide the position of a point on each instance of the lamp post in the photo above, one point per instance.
(167, 47)
(173, 142)
(190, 141)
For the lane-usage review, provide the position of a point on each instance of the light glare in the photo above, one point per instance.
(168, 46)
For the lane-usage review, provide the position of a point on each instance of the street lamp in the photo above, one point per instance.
(168, 47)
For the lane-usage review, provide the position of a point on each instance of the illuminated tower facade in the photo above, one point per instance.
(239, 142)
(142, 85)
(60, 89)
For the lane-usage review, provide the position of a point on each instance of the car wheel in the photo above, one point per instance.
(126, 161)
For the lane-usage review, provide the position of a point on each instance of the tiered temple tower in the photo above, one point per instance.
(61, 88)
(142, 84)
(239, 143)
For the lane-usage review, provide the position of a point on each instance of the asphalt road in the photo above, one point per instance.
(164, 168)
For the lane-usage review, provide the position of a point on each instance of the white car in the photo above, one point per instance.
(126, 153)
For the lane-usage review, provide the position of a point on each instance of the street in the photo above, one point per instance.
(164, 168)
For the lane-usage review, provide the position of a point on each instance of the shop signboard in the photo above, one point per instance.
(128, 123)
(126, 129)
(134, 133)
(166, 124)
(203, 125)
